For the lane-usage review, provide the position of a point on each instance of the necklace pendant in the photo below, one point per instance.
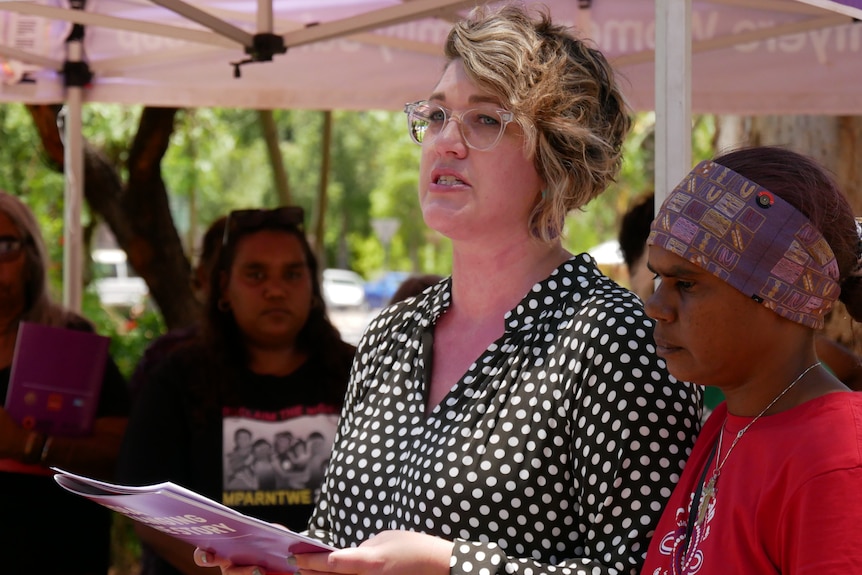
(706, 499)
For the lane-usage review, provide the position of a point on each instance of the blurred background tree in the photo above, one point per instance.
(181, 169)
(216, 160)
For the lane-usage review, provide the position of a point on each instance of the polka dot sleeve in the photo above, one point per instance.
(554, 454)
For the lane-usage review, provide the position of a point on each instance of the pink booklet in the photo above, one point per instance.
(198, 520)
(56, 379)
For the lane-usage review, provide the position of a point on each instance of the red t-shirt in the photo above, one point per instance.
(788, 499)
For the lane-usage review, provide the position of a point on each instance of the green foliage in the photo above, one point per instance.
(599, 221)
(130, 331)
(125, 546)
(24, 173)
(217, 161)
(111, 129)
(213, 166)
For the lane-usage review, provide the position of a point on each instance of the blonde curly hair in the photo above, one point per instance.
(564, 95)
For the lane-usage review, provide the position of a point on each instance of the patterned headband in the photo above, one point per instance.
(751, 239)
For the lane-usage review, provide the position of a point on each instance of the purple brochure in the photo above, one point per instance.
(56, 378)
(198, 520)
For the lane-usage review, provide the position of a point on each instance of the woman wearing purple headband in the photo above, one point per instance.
(752, 249)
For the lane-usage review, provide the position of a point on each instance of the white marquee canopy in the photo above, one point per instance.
(675, 56)
(748, 56)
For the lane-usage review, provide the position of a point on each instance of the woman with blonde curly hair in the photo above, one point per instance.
(512, 418)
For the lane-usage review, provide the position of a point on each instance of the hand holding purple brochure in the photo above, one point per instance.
(198, 520)
(56, 378)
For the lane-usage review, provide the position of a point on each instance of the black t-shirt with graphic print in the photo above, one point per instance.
(262, 453)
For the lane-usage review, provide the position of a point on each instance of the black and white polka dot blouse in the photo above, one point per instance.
(553, 454)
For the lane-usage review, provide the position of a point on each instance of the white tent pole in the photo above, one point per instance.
(73, 253)
(672, 94)
(264, 16)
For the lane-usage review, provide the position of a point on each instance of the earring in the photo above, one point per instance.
(223, 305)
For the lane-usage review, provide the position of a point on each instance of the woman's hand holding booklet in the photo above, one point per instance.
(195, 519)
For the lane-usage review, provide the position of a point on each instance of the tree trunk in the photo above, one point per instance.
(273, 149)
(835, 142)
(136, 211)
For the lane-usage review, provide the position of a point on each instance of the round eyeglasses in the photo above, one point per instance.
(481, 128)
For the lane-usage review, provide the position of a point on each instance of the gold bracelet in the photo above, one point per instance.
(33, 448)
(44, 457)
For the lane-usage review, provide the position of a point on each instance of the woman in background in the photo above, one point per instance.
(77, 530)
(267, 362)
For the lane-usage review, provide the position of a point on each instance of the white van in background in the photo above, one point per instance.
(343, 289)
(114, 280)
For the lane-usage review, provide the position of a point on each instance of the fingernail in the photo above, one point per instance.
(256, 571)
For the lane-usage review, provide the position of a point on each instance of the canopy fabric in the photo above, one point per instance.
(749, 57)
(741, 56)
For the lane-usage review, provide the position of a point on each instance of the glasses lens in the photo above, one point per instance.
(482, 128)
(422, 117)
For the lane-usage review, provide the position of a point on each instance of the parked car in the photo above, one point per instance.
(380, 290)
(115, 281)
(343, 289)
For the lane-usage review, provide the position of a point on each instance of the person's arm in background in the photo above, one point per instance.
(841, 361)
(94, 455)
(156, 449)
